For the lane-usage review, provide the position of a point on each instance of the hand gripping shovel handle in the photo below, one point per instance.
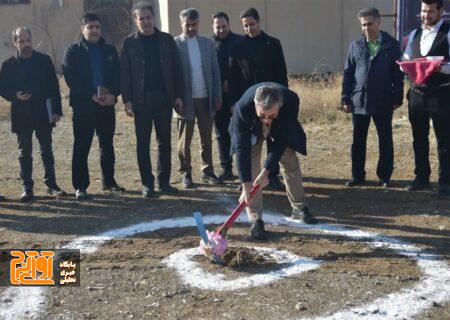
(235, 214)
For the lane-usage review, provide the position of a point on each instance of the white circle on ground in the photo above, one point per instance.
(194, 275)
(433, 287)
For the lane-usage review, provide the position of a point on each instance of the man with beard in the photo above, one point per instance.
(28, 80)
(430, 100)
(256, 58)
(224, 39)
(92, 72)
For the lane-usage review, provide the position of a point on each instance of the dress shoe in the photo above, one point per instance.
(444, 190)
(275, 185)
(353, 182)
(148, 192)
(384, 184)
(56, 191)
(417, 185)
(82, 195)
(27, 196)
(2, 198)
(114, 187)
(168, 189)
(187, 182)
(257, 230)
(227, 175)
(304, 214)
(211, 178)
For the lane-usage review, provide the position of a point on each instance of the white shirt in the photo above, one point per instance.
(426, 42)
(198, 83)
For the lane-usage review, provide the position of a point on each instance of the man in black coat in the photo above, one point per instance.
(372, 88)
(92, 72)
(269, 112)
(224, 39)
(28, 80)
(256, 58)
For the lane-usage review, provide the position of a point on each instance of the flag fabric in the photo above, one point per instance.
(420, 70)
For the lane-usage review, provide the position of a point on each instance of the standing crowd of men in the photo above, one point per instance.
(239, 85)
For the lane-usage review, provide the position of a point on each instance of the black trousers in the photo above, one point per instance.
(86, 122)
(383, 123)
(157, 111)
(25, 140)
(222, 122)
(420, 124)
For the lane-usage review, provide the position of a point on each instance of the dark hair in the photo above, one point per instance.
(142, 6)
(191, 14)
(17, 30)
(219, 15)
(90, 17)
(369, 12)
(250, 12)
(439, 3)
(268, 95)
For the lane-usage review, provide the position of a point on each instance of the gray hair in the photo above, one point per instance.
(369, 12)
(18, 30)
(191, 14)
(267, 95)
(142, 6)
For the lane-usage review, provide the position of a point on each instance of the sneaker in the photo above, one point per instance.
(27, 196)
(227, 175)
(114, 187)
(167, 188)
(417, 185)
(148, 192)
(257, 230)
(187, 182)
(56, 191)
(276, 185)
(444, 190)
(304, 214)
(353, 182)
(82, 195)
(211, 179)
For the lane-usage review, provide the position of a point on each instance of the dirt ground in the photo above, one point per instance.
(126, 278)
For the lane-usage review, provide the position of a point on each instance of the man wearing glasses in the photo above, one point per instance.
(268, 112)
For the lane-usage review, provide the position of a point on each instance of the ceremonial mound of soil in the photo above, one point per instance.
(241, 257)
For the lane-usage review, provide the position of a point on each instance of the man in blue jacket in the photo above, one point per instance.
(92, 72)
(269, 112)
(372, 88)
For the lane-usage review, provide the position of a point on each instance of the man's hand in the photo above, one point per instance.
(225, 86)
(262, 179)
(22, 96)
(397, 106)
(128, 109)
(347, 108)
(178, 106)
(107, 100)
(56, 118)
(96, 99)
(218, 105)
(245, 195)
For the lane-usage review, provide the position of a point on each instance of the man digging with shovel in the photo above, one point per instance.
(269, 111)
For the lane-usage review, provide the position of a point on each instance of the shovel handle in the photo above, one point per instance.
(235, 214)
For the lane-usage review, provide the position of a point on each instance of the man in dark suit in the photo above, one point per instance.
(224, 39)
(372, 88)
(92, 72)
(269, 112)
(152, 86)
(29, 81)
(256, 58)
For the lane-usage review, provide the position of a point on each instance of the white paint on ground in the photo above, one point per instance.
(433, 287)
(193, 275)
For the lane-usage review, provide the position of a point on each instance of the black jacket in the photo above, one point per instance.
(285, 132)
(249, 66)
(132, 64)
(223, 53)
(44, 85)
(76, 68)
(373, 86)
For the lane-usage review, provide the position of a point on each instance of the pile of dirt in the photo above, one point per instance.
(241, 257)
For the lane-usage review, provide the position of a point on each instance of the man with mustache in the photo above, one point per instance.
(28, 80)
(430, 100)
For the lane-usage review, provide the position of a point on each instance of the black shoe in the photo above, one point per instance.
(82, 195)
(56, 191)
(305, 215)
(114, 187)
(353, 182)
(27, 196)
(417, 185)
(211, 179)
(187, 182)
(148, 192)
(276, 185)
(167, 188)
(444, 190)
(257, 230)
(227, 175)
(2, 198)
(384, 184)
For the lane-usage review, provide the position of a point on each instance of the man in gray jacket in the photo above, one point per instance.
(202, 96)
